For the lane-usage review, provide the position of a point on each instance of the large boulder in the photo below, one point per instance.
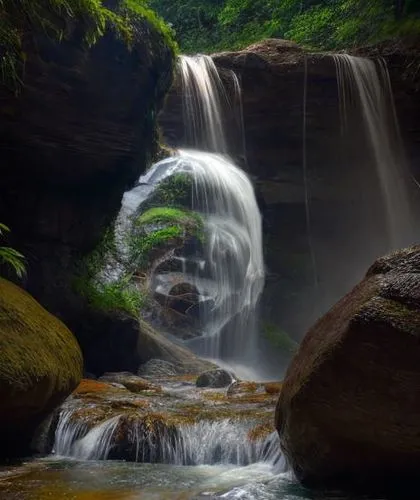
(40, 365)
(349, 409)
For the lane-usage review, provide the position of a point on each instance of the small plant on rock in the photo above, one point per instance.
(11, 257)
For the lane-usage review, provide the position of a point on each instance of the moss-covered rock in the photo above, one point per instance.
(40, 365)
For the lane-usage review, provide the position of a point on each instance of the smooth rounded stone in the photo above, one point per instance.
(215, 379)
(128, 380)
(349, 409)
(40, 365)
(157, 368)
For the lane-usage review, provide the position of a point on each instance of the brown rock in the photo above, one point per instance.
(349, 408)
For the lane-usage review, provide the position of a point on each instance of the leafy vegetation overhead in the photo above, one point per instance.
(19, 19)
(211, 25)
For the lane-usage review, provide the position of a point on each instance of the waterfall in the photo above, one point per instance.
(203, 99)
(232, 266)
(365, 85)
(229, 270)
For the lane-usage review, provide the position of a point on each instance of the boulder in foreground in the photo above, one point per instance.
(40, 365)
(349, 410)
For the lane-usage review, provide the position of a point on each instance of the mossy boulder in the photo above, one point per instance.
(40, 365)
(349, 409)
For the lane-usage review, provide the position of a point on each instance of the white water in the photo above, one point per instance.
(203, 100)
(365, 84)
(204, 443)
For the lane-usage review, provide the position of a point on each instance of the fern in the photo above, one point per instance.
(12, 257)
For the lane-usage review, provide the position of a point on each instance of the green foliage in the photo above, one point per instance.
(206, 26)
(11, 257)
(121, 295)
(22, 18)
(104, 292)
(279, 338)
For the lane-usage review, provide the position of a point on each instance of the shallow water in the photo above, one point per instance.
(50, 479)
(79, 480)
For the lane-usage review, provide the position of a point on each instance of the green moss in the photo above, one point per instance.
(149, 239)
(168, 215)
(107, 293)
(121, 295)
(175, 191)
(39, 356)
(19, 18)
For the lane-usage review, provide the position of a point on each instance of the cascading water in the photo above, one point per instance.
(232, 270)
(365, 84)
(205, 443)
(230, 274)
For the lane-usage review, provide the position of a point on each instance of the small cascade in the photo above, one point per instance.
(364, 85)
(230, 270)
(96, 444)
(74, 439)
(223, 442)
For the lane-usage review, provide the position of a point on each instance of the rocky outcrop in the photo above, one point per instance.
(40, 365)
(291, 118)
(349, 409)
(79, 135)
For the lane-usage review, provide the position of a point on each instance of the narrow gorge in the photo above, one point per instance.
(218, 291)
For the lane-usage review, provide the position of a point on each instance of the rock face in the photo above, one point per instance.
(40, 365)
(81, 133)
(292, 123)
(349, 409)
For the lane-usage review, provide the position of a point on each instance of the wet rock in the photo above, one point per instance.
(40, 364)
(143, 438)
(349, 409)
(158, 368)
(130, 381)
(153, 345)
(215, 379)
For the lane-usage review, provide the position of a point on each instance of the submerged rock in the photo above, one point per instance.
(349, 409)
(215, 379)
(128, 380)
(40, 364)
